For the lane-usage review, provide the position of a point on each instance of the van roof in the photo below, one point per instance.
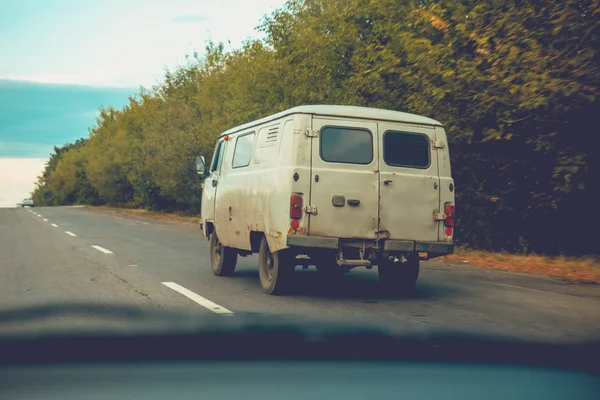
(342, 111)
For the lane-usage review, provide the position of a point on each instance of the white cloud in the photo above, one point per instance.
(88, 43)
(17, 178)
(191, 18)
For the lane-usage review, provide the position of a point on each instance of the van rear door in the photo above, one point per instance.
(409, 181)
(344, 192)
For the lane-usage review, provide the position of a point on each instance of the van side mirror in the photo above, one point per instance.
(200, 165)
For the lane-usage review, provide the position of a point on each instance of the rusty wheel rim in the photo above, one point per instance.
(218, 249)
(269, 265)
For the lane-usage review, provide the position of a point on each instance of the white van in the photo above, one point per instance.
(337, 187)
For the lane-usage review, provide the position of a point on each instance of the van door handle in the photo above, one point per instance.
(352, 202)
(214, 182)
(387, 181)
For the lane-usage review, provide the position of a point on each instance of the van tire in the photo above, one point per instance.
(398, 278)
(274, 269)
(222, 259)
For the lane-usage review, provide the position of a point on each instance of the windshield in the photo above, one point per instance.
(419, 166)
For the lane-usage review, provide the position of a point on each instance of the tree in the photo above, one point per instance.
(515, 82)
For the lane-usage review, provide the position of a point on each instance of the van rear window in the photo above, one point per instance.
(346, 145)
(405, 149)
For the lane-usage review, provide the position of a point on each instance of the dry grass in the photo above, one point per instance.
(585, 269)
(150, 214)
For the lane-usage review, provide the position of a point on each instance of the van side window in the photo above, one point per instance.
(216, 164)
(406, 149)
(346, 145)
(243, 151)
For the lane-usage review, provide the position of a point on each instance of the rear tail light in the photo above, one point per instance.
(295, 206)
(449, 211)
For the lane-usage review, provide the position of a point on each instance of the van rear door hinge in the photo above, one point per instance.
(439, 216)
(438, 144)
(311, 133)
(310, 210)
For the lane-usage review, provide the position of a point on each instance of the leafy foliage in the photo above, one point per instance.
(516, 82)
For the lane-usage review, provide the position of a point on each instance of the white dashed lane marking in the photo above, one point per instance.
(195, 297)
(102, 249)
(204, 302)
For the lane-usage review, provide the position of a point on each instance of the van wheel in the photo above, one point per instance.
(274, 269)
(222, 259)
(399, 278)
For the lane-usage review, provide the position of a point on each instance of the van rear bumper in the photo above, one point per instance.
(434, 249)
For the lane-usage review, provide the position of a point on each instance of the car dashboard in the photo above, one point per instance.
(264, 358)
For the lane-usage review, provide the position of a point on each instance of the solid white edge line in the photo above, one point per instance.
(204, 302)
(70, 233)
(102, 249)
(45, 220)
(54, 225)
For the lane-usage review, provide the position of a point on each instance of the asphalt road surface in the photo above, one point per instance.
(74, 255)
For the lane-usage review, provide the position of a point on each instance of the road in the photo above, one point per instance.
(72, 255)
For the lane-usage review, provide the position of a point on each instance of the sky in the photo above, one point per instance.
(61, 60)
